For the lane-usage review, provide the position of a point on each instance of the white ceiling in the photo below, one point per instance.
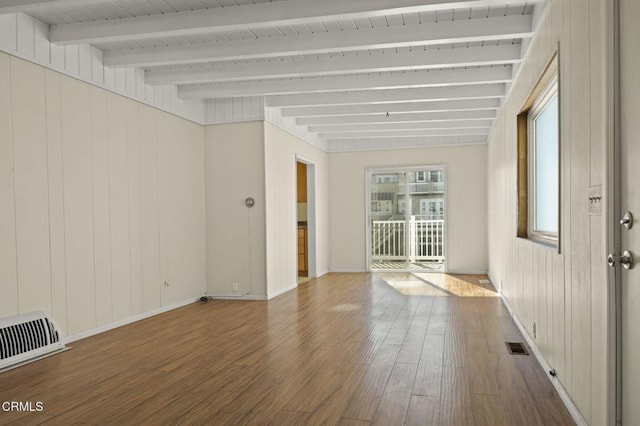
(345, 69)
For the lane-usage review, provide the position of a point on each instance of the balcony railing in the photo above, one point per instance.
(422, 187)
(426, 240)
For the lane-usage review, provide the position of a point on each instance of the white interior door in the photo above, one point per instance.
(630, 201)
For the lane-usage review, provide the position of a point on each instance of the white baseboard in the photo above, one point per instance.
(466, 272)
(38, 358)
(138, 317)
(282, 291)
(360, 271)
(241, 297)
(562, 392)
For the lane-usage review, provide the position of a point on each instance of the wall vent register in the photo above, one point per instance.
(27, 337)
(516, 348)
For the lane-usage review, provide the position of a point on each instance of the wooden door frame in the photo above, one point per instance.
(312, 241)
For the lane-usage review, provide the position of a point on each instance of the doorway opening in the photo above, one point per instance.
(305, 219)
(406, 219)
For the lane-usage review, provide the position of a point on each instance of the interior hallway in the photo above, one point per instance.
(344, 349)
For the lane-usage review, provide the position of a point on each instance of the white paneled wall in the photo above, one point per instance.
(101, 204)
(262, 261)
(101, 201)
(77, 179)
(30, 184)
(564, 294)
(273, 115)
(466, 210)
(236, 247)
(181, 208)
(8, 269)
(281, 149)
(28, 38)
(232, 110)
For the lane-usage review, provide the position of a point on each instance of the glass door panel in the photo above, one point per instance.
(426, 221)
(388, 216)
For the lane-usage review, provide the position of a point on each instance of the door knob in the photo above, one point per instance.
(626, 260)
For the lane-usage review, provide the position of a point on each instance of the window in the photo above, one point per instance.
(543, 187)
(539, 161)
(421, 176)
(436, 176)
(386, 179)
(432, 209)
(381, 207)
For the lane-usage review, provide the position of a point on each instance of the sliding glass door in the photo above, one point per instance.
(406, 218)
(388, 230)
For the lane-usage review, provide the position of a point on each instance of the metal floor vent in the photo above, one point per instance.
(484, 281)
(516, 348)
(27, 337)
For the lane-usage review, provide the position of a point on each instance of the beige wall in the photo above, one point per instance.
(102, 201)
(564, 294)
(466, 203)
(281, 149)
(234, 163)
(256, 247)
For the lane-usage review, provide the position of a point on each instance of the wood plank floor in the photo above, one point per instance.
(345, 349)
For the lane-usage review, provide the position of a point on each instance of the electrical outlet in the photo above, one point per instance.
(235, 287)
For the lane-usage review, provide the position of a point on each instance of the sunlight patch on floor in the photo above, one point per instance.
(438, 284)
